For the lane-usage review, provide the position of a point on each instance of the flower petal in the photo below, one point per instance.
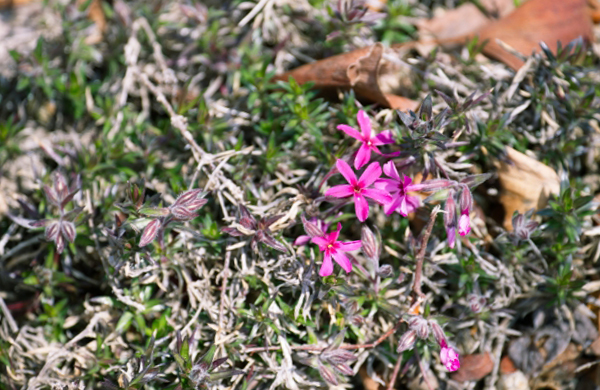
(327, 266)
(361, 207)
(362, 157)
(403, 208)
(343, 261)
(351, 131)
(464, 224)
(389, 185)
(372, 173)
(333, 236)
(364, 123)
(389, 168)
(389, 208)
(322, 242)
(346, 171)
(341, 191)
(302, 240)
(350, 246)
(378, 195)
(383, 138)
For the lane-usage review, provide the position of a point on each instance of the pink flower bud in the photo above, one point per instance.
(438, 332)
(407, 341)
(150, 232)
(420, 325)
(466, 200)
(371, 246)
(464, 223)
(449, 358)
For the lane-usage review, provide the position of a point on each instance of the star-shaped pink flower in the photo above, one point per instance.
(398, 186)
(329, 244)
(369, 142)
(359, 188)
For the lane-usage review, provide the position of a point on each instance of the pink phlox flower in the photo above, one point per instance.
(449, 357)
(329, 244)
(369, 141)
(466, 202)
(305, 239)
(360, 188)
(398, 186)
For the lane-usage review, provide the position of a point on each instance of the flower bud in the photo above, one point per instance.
(449, 358)
(464, 223)
(407, 341)
(385, 271)
(327, 375)
(420, 325)
(312, 227)
(466, 200)
(438, 333)
(371, 244)
(450, 218)
(476, 303)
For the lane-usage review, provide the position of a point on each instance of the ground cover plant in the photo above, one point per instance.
(175, 216)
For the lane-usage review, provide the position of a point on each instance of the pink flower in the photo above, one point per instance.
(449, 357)
(359, 188)
(369, 142)
(466, 201)
(399, 187)
(332, 248)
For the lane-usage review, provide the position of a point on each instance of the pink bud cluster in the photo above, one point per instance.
(419, 328)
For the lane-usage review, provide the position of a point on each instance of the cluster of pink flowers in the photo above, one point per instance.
(419, 327)
(393, 193)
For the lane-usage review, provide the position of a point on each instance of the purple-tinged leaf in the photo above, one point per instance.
(52, 231)
(215, 376)
(247, 220)
(218, 362)
(150, 232)
(73, 214)
(40, 223)
(232, 231)
(271, 220)
(68, 198)
(68, 230)
(385, 271)
(270, 241)
(51, 195)
(433, 185)
(475, 180)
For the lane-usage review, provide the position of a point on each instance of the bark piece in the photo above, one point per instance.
(525, 184)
